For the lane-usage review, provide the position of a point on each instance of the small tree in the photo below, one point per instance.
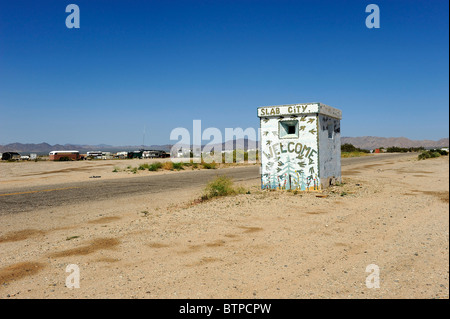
(347, 147)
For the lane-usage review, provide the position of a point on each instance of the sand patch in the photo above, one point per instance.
(21, 235)
(203, 261)
(157, 245)
(251, 229)
(107, 260)
(316, 213)
(92, 247)
(350, 173)
(217, 243)
(443, 196)
(104, 220)
(19, 271)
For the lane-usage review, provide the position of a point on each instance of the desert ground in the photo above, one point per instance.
(262, 244)
(22, 174)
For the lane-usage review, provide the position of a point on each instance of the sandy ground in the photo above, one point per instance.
(266, 244)
(26, 173)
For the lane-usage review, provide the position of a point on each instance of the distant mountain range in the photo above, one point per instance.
(373, 142)
(364, 142)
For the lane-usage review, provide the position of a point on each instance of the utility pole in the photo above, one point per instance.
(143, 139)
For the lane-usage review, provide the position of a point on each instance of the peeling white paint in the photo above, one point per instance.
(297, 151)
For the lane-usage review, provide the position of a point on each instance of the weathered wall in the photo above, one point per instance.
(329, 150)
(290, 163)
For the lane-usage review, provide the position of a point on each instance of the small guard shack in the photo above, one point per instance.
(300, 146)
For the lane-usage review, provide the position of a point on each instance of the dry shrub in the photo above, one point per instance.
(221, 186)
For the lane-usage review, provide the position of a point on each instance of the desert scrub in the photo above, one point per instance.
(177, 166)
(221, 186)
(209, 165)
(168, 166)
(143, 167)
(431, 154)
(155, 166)
(353, 154)
(116, 169)
(191, 164)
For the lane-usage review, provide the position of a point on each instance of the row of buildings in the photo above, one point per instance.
(7, 156)
(73, 155)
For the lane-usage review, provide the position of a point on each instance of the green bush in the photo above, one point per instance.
(435, 154)
(431, 154)
(424, 155)
(209, 165)
(221, 186)
(178, 166)
(143, 167)
(155, 166)
(395, 149)
(349, 148)
(441, 152)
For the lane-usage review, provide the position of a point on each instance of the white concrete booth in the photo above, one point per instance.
(300, 146)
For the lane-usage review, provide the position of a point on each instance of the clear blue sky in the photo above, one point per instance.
(162, 64)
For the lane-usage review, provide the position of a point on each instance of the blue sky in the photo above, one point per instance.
(162, 64)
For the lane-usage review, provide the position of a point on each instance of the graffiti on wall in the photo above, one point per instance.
(290, 162)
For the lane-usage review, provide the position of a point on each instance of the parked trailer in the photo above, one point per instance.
(9, 156)
(155, 154)
(94, 154)
(135, 154)
(121, 155)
